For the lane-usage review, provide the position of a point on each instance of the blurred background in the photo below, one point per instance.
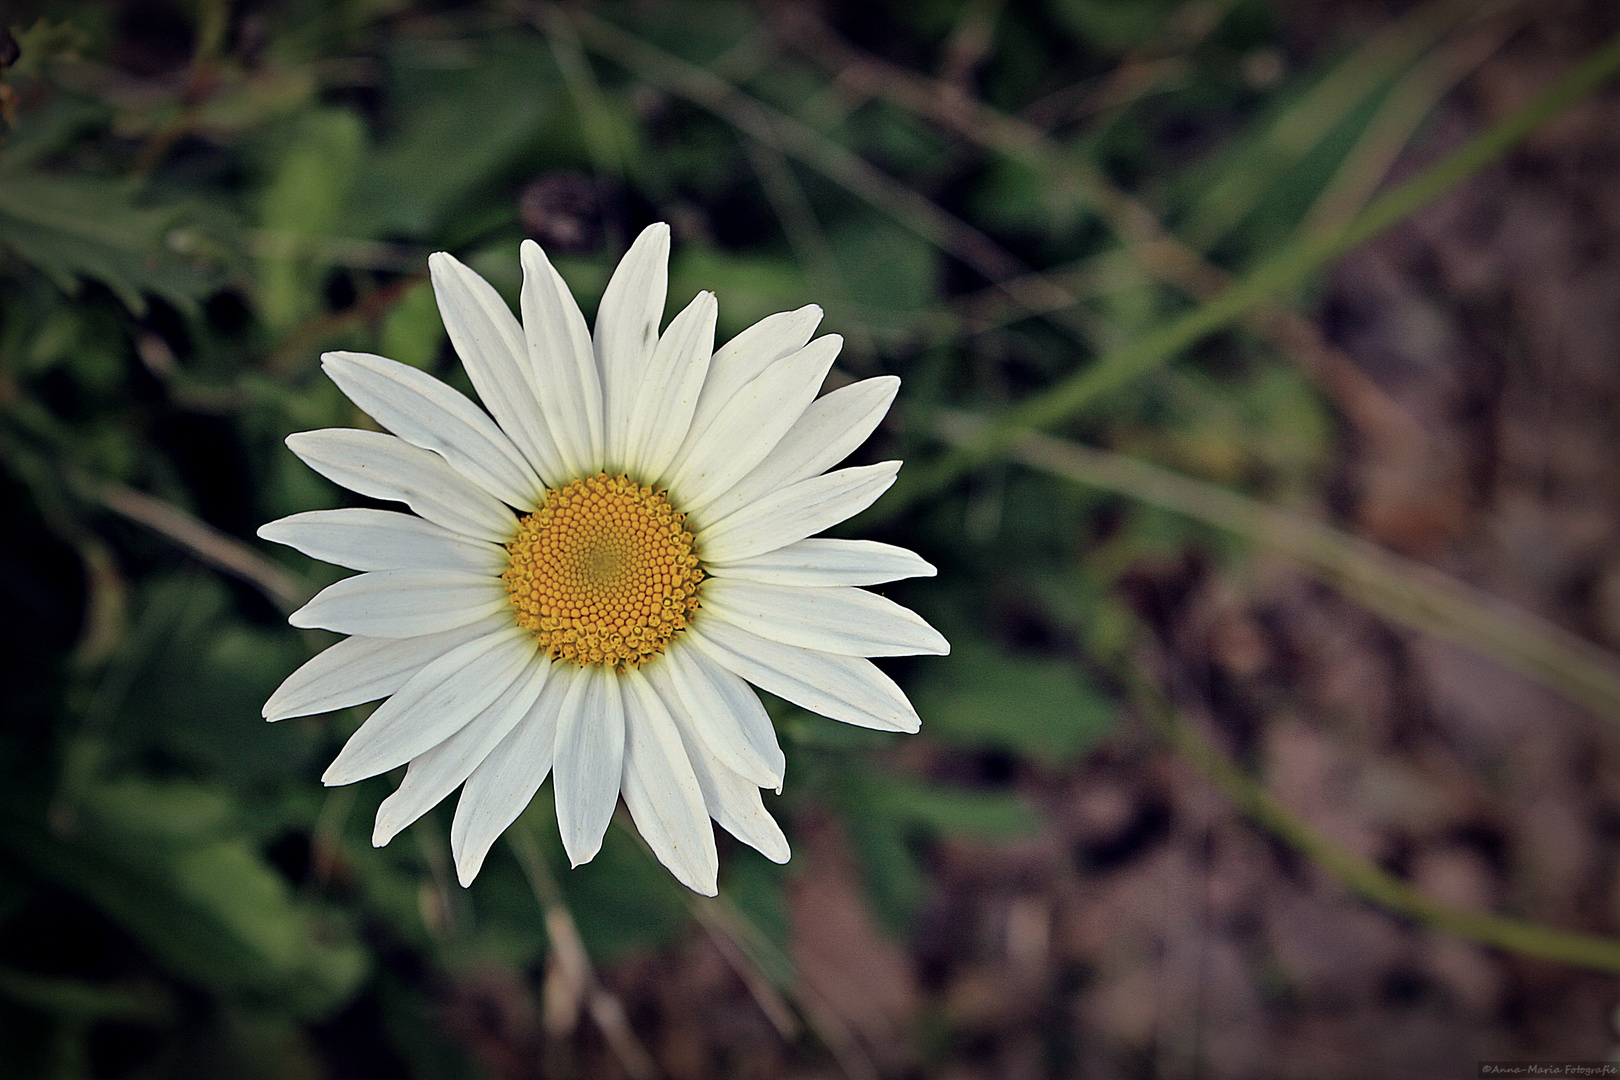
(1279, 738)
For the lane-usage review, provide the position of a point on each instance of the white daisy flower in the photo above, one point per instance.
(592, 578)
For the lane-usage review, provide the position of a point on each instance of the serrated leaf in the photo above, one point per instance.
(77, 228)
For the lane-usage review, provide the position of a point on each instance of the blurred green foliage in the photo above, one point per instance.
(188, 218)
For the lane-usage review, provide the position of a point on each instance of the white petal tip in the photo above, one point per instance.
(338, 777)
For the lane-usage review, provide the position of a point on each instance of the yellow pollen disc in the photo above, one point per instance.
(603, 572)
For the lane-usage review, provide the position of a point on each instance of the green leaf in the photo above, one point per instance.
(300, 205)
(412, 331)
(74, 228)
(457, 126)
(1041, 709)
(170, 864)
(748, 287)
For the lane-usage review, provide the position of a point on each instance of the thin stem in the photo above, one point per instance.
(217, 549)
(799, 140)
(1590, 951)
(1283, 271)
(1398, 588)
(573, 963)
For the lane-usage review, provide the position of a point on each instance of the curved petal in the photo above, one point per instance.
(845, 688)
(588, 761)
(838, 619)
(425, 412)
(828, 432)
(437, 772)
(403, 603)
(669, 390)
(490, 342)
(364, 539)
(741, 360)
(661, 791)
(820, 561)
(726, 715)
(561, 363)
(361, 669)
(500, 788)
(732, 800)
(385, 467)
(794, 512)
(749, 425)
(433, 705)
(627, 333)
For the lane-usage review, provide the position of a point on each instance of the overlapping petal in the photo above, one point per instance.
(490, 342)
(504, 782)
(437, 772)
(403, 603)
(588, 760)
(385, 467)
(725, 715)
(846, 688)
(749, 425)
(433, 705)
(661, 791)
(795, 512)
(627, 334)
(836, 619)
(562, 364)
(668, 395)
(363, 539)
(740, 360)
(424, 412)
(361, 669)
(819, 561)
(825, 434)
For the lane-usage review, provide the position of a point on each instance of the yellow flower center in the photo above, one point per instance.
(603, 572)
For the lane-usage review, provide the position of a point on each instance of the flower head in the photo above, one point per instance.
(598, 566)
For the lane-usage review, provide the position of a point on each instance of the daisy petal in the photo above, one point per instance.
(838, 619)
(669, 390)
(589, 761)
(363, 539)
(845, 688)
(732, 800)
(738, 362)
(562, 363)
(436, 703)
(749, 425)
(661, 791)
(830, 429)
(500, 788)
(627, 333)
(425, 412)
(491, 345)
(361, 669)
(385, 467)
(795, 512)
(726, 715)
(439, 771)
(403, 603)
(819, 561)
